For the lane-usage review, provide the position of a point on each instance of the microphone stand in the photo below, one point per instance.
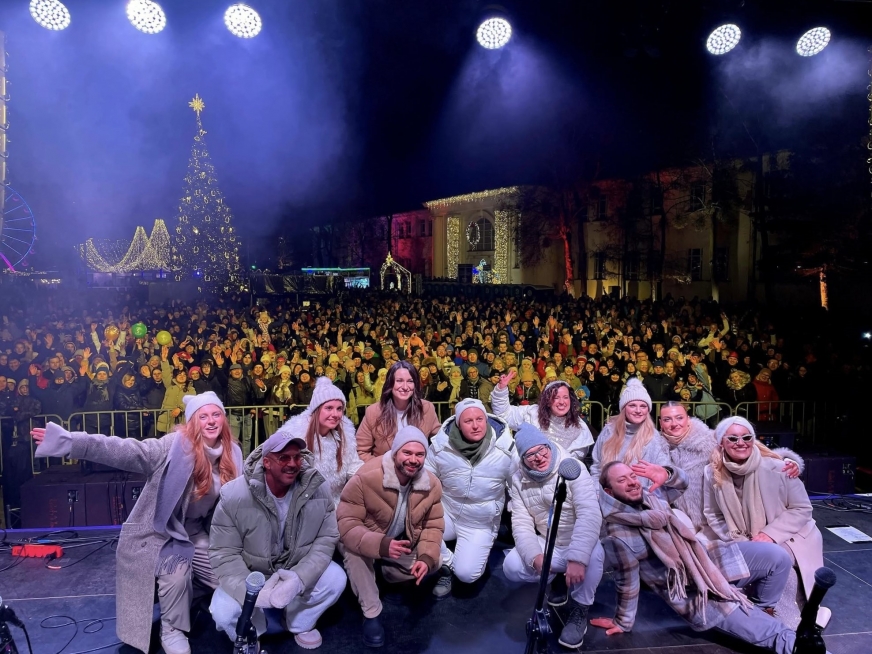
(538, 628)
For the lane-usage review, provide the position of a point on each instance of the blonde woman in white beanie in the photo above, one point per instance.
(329, 435)
(165, 539)
(631, 437)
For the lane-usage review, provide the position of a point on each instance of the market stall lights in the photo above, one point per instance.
(146, 16)
(494, 33)
(723, 39)
(242, 21)
(50, 14)
(813, 42)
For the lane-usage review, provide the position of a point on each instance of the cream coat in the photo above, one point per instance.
(789, 519)
(474, 496)
(580, 520)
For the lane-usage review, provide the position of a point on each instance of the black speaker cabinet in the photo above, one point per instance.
(829, 474)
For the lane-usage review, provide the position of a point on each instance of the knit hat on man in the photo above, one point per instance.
(409, 434)
(528, 436)
(634, 390)
(194, 403)
(468, 403)
(325, 390)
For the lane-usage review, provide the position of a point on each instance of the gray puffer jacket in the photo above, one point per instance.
(245, 526)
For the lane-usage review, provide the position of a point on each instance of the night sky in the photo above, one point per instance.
(360, 107)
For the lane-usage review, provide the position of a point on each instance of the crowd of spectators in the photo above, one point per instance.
(76, 357)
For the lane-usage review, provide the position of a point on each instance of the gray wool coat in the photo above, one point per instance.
(139, 545)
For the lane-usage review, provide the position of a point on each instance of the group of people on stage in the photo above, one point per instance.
(712, 521)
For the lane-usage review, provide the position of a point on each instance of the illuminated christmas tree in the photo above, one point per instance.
(205, 247)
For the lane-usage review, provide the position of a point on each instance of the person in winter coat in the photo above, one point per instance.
(304, 389)
(691, 443)
(630, 436)
(165, 538)
(280, 394)
(209, 379)
(329, 435)
(658, 383)
(24, 409)
(767, 395)
(749, 500)
(556, 413)
(473, 455)
(98, 397)
(578, 556)
(399, 405)
(475, 387)
(739, 390)
(173, 407)
(17, 465)
(127, 399)
(390, 511)
(527, 392)
(243, 392)
(277, 519)
(646, 542)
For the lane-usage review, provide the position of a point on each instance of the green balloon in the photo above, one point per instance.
(164, 337)
(139, 330)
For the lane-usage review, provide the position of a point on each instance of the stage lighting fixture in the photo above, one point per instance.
(242, 21)
(50, 14)
(813, 42)
(146, 16)
(723, 39)
(494, 33)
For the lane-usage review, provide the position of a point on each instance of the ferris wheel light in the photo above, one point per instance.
(50, 14)
(242, 21)
(813, 42)
(494, 33)
(146, 16)
(723, 39)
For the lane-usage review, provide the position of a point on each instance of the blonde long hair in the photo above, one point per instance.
(643, 436)
(719, 471)
(202, 467)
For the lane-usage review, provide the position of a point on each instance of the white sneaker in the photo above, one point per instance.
(173, 640)
(823, 617)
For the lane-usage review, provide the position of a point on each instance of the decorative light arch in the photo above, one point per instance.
(402, 274)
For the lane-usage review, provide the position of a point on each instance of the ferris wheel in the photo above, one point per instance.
(19, 229)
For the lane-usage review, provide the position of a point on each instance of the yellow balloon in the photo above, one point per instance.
(111, 333)
(164, 338)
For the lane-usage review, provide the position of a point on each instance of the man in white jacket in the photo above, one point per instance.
(577, 553)
(474, 457)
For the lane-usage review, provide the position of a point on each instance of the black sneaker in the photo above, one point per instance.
(373, 632)
(442, 589)
(573, 632)
(558, 591)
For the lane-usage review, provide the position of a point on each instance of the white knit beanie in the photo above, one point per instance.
(634, 390)
(408, 434)
(325, 390)
(194, 403)
(726, 423)
(469, 403)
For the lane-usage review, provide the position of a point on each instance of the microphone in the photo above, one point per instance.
(808, 634)
(569, 469)
(245, 632)
(8, 615)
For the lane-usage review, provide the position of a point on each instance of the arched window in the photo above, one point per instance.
(480, 235)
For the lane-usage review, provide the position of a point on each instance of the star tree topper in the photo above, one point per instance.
(197, 104)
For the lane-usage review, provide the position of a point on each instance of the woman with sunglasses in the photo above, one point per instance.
(749, 500)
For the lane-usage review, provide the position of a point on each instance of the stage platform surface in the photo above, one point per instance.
(487, 618)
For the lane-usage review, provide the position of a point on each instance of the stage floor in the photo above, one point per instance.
(484, 619)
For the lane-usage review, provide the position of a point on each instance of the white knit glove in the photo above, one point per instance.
(265, 594)
(288, 587)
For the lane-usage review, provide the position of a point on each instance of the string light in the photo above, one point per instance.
(242, 21)
(146, 16)
(470, 197)
(453, 232)
(502, 232)
(399, 271)
(50, 14)
(142, 253)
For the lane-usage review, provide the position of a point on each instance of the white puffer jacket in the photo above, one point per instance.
(474, 496)
(580, 520)
(578, 440)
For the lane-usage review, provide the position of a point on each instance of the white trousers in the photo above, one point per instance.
(516, 570)
(470, 555)
(300, 615)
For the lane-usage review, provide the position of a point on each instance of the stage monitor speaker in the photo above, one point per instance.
(830, 474)
(110, 496)
(53, 501)
(775, 434)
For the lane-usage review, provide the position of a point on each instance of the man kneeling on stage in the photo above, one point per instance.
(278, 519)
(391, 512)
(646, 540)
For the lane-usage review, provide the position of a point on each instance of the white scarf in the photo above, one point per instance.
(747, 518)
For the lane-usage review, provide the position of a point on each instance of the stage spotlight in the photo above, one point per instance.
(494, 33)
(50, 14)
(813, 42)
(723, 39)
(146, 16)
(242, 21)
